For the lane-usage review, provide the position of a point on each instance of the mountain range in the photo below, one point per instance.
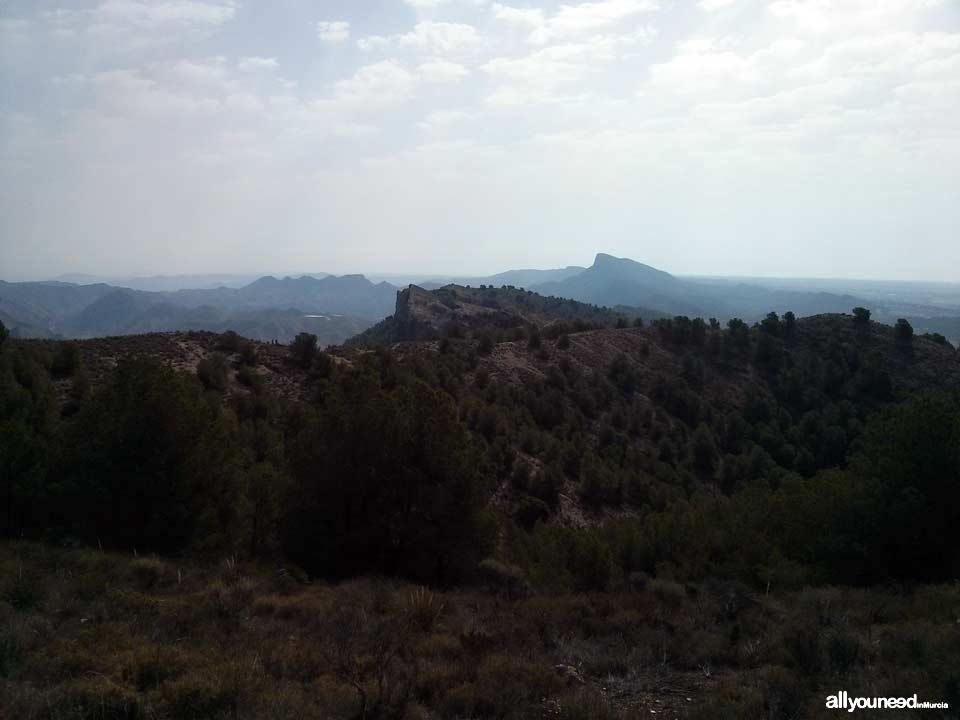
(337, 307)
(333, 308)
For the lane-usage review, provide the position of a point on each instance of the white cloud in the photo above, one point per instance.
(133, 25)
(443, 118)
(333, 30)
(437, 38)
(571, 21)
(257, 64)
(530, 17)
(434, 4)
(712, 5)
(440, 70)
(130, 94)
(549, 74)
(155, 14)
(203, 71)
(374, 86)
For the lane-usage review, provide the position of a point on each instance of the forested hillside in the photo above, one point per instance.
(678, 485)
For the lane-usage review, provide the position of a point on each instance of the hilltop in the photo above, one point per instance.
(456, 309)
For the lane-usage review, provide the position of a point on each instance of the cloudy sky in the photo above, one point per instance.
(770, 137)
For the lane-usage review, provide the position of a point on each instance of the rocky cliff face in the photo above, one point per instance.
(456, 310)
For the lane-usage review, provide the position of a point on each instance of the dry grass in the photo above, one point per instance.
(90, 635)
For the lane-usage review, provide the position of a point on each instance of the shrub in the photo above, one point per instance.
(530, 511)
(303, 349)
(98, 697)
(485, 346)
(148, 573)
(230, 342)
(861, 316)
(903, 331)
(423, 609)
(197, 695)
(23, 590)
(213, 372)
(533, 338)
(11, 652)
(148, 463)
(249, 356)
(66, 360)
(502, 578)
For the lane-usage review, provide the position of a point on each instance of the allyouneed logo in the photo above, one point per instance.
(843, 701)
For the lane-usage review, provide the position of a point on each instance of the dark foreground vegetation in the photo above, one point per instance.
(90, 634)
(578, 523)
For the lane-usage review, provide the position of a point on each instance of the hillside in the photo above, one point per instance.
(455, 309)
(576, 516)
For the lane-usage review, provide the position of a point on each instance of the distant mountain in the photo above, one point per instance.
(346, 294)
(162, 283)
(111, 314)
(334, 308)
(615, 282)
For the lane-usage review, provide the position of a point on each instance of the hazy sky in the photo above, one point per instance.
(774, 137)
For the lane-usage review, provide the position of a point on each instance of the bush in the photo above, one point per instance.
(303, 350)
(98, 697)
(530, 511)
(404, 458)
(11, 652)
(66, 360)
(213, 372)
(249, 355)
(485, 346)
(23, 591)
(148, 463)
(230, 342)
(903, 331)
(502, 578)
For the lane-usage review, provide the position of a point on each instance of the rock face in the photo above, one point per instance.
(419, 315)
(456, 310)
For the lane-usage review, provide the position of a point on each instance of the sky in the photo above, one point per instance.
(814, 138)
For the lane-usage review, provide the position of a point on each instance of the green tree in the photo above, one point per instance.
(789, 324)
(485, 345)
(861, 316)
(771, 324)
(903, 331)
(385, 481)
(66, 360)
(303, 349)
(149, 463)
(533, 338)
(909, 470)
(213, 372)
(703, 450)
